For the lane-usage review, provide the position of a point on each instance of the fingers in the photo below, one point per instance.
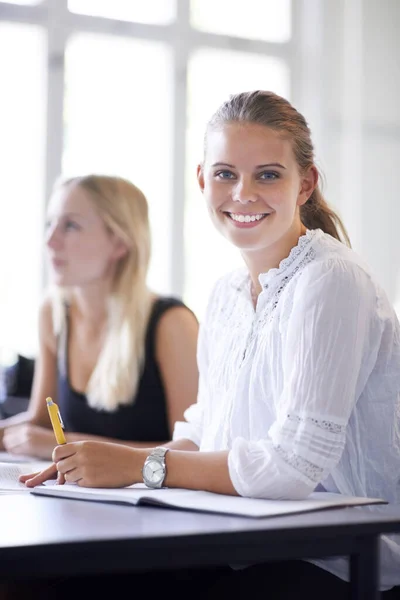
(69, 470)
(33, 479)
(64, 451)
(26, 476)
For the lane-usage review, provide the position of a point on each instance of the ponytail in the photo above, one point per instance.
(316, 214)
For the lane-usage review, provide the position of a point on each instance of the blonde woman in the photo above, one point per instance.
(119, 359)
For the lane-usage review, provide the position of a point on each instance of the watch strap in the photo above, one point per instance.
(159, 452)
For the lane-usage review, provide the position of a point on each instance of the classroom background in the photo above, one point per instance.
(125, 87)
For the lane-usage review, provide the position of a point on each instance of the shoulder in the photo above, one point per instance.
(337, 277)
(336, 263)
(170, 312)
(175, 330)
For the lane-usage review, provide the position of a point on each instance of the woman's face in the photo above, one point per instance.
(80, 248)
(252, 185)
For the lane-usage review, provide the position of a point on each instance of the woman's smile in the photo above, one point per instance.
(245, 220)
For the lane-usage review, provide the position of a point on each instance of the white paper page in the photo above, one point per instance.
(207, 501)
(254, 507)
(10, 472)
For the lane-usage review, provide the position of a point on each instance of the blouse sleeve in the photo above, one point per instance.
(329, 351)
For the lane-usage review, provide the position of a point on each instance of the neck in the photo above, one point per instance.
(90, 303)
(262, 261)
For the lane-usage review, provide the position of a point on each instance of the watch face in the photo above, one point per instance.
(153, 471)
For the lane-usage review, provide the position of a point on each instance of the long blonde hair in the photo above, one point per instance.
(273, 111)
(124, 210)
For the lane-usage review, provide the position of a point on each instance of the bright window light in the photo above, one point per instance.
(118, 120)
(158, 12)
(268, 20)
(22, 147)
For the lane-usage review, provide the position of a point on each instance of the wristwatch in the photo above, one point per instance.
(154, 469)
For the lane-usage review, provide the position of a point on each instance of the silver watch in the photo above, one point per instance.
(154, 469)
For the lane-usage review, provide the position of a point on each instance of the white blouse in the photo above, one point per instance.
(304, 390)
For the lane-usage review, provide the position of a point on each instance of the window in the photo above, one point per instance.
(267, 20)
(155, 11)
(123, 87)
(22, 147)
(113, 124)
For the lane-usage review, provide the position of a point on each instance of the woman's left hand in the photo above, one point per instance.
(96, 464)
(29, 439)
(33, 479)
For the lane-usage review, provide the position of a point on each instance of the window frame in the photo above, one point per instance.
(301, 53)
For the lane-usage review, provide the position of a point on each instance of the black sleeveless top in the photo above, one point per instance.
(145, 420)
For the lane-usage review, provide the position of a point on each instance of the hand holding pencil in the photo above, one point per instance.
(33, 479)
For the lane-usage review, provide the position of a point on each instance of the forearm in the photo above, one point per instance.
(17, 419)
(99, 464)
(183, 444)
(177, 445)
(206, 471)
(199, 471)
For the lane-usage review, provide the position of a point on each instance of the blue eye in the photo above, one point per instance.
(71, 225)
(269, 175)
(224, 175)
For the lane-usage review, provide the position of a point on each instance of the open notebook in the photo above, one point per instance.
(10, 472)
(138, 494)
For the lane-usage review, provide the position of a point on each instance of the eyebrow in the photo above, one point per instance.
(69, 215)
(221, 164)
(74, 215)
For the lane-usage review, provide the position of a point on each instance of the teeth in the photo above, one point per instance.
(246, 218)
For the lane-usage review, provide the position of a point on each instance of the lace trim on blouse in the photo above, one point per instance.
(309, 445)
(307, 469)
(300, 248)
(323, 424)
(309, 256)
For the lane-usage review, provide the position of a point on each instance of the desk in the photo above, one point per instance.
(51, 536)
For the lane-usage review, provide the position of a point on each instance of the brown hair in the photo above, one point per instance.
(273, 111)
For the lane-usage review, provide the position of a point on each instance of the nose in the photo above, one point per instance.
(244, 191)
(52, 237)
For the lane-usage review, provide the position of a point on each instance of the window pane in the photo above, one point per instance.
(118, 121)
(208, 255)
(156, 11)
(22, 146)
(267, 20)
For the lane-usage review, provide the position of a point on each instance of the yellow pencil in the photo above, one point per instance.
(56, 421)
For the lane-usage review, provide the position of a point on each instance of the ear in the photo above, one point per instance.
(200, 177)
(308, 183)
(120, 249)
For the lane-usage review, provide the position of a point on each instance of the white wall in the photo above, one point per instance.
(360, 92)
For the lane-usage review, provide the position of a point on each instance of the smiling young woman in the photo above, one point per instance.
(298, 355)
